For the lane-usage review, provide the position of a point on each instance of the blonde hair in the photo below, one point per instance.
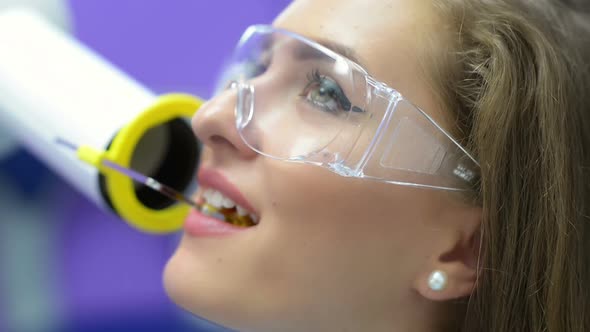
(517, 80)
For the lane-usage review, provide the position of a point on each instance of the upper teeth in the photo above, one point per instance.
(218, 200)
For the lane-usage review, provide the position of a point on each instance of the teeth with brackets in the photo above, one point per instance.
(241, 211)
(217, 200)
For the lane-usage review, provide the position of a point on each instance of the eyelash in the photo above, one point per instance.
(315, 75)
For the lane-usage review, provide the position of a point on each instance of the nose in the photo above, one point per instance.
(215, 125)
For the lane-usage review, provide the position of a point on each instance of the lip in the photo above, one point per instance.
(198, 224)
(213, 179)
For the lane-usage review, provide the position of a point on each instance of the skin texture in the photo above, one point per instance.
(331, 253)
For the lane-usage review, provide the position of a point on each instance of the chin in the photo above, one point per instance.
(202, 298)
(176, 281)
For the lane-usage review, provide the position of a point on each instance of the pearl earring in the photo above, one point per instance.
(437, 281)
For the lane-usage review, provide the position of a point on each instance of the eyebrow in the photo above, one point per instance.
(336, 47)
(346, 51)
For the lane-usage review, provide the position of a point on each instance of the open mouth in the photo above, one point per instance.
(217, 205)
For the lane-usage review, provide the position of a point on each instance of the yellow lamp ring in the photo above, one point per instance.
(120, 188)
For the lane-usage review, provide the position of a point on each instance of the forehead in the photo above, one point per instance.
(378, 30)
(389, 37)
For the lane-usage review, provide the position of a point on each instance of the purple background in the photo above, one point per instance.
(169, 45)
(69, 266)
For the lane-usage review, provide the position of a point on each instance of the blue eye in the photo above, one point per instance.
(324, 93)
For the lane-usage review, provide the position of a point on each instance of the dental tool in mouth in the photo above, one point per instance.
(234, 214)
(143, 179)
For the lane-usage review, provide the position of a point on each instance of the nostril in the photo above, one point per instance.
(218, 139)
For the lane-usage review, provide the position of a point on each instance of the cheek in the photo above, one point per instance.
(303, 193)
(336, 225)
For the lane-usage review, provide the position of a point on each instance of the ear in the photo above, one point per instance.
(457, 261)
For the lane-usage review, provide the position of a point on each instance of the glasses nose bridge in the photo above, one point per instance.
(244, 108)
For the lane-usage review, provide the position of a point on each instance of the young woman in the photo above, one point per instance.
(396, 165)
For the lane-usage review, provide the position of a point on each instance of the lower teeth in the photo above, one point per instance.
(228, 215)
(234, 218)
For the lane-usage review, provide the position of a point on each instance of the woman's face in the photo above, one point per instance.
(328, 251)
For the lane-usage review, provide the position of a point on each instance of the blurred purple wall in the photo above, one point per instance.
(169, 45)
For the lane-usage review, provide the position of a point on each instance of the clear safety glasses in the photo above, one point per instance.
(299, 101)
